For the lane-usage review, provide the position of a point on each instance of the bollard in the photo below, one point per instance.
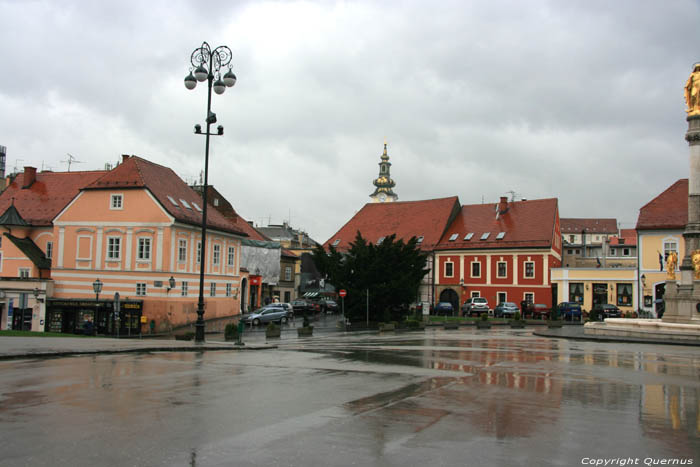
(239, 335)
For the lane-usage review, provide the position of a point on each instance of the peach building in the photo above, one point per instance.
(136, 230)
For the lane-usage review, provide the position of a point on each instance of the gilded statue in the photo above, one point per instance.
(696, 263)
(692, 92)
(671, 263)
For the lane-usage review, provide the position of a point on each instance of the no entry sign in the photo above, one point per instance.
(342, 293)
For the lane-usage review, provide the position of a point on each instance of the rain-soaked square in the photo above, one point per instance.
(501, 397)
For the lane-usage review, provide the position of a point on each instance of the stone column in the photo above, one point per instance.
(692, 229)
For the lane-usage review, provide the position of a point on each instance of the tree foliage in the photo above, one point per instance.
(391, 271)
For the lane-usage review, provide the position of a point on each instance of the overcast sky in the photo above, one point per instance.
(579, 100)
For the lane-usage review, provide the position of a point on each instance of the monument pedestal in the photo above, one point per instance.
(682, 303)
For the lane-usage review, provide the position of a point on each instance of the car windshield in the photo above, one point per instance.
(479, 300)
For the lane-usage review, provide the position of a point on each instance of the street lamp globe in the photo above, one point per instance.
(229, 78)
(97, 286)
(219, 86)
(201, 73)
(190, 81)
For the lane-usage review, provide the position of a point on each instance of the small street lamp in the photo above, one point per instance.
(97, 287)
(207, 65)
(171, 284)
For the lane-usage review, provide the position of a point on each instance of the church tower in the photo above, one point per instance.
(384, 193)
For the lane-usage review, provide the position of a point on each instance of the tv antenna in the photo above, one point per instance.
(513, 195)
(71, 160)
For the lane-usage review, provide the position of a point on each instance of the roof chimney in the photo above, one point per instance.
(124, 157)
(503, 205)
(29, 176)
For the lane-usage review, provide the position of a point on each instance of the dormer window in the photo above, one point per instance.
(172, 200)
(116, 201)
(336, 242)
(184, 203)
(469, 236)
(453, 237)
(500, 235)
(485, 235)
(196, 206)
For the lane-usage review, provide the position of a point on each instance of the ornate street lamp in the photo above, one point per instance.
(97, 287)
(207, 65)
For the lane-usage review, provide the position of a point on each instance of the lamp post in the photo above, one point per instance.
(97, 287)
(207, 65)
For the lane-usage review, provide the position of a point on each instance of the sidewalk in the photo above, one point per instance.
(39, 347)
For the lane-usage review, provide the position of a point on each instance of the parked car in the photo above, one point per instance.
(286, 306)
(606, 310)
(505, 309)
(300, 306)
(570, 311)
(475, 306)
(444, 308)
(536, 310)
(330, 306)
(267, 314)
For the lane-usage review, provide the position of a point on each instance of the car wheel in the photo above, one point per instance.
(256, 322)
(283, 320)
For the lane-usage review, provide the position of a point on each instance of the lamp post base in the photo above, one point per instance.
(199, 329)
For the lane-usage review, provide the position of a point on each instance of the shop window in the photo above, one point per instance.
(576, 292)
(624, 294)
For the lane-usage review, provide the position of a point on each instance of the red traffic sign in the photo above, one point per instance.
(342, 293)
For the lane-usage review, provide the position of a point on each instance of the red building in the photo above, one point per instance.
(503, 252)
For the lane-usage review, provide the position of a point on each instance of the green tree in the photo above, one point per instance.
(390, 273)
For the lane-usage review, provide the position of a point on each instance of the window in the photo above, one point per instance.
(476, 269)
(612, 251)
(578, 252)
(381, 239)
(228, 290)
(469, 236)
(232, 256)
(485, 235)
(184, 203)
(212, 289)
(24, 273)
(199, 252)
(502, 297)
(183, 288)
(626, 252)
(501, 269)
(475, 294)
(217, 255)
(500, 235)
(336, 242)
(572, 239)
(144, 249)
(181, 251)
(196, 206)
(420, 239)
(569, 252)
(668, 248)
(453, 237)
(49, 250)
(170, 198)
(114, 248)
(624, 294)
(216, 201)
(449, 269)
(530, 269)
(576, 292)
(288, 273)
(141, 289)
(529, 297)
(116, 202)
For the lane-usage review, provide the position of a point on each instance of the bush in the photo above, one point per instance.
(484, 316)
(516, 316)
(272, 326)
(188, 336)
(593, 315)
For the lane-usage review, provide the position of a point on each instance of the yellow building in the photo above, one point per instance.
(660, 228)
(591, 286)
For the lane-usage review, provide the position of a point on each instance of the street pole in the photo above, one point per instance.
(367, 307)
(207, 64)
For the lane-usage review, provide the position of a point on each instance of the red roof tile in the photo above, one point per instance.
(603, 226)
(669, 210)
(162, 182)
(525, 223)
(628, 237)
(426, 218)
(47, 196)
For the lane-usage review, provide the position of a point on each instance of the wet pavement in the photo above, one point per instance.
(499, 397)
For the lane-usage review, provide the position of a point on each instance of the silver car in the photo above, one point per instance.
(267, 314)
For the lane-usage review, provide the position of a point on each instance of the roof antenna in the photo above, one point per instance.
(71, 160)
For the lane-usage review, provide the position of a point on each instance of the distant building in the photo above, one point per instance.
(584, 241)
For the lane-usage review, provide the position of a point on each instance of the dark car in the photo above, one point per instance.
(570, 311)
(607, 310)
(536, 310)
(505, 309)
(475, 306)
(330, 306)
(267, 314)
(300, 306)
(444, 308)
